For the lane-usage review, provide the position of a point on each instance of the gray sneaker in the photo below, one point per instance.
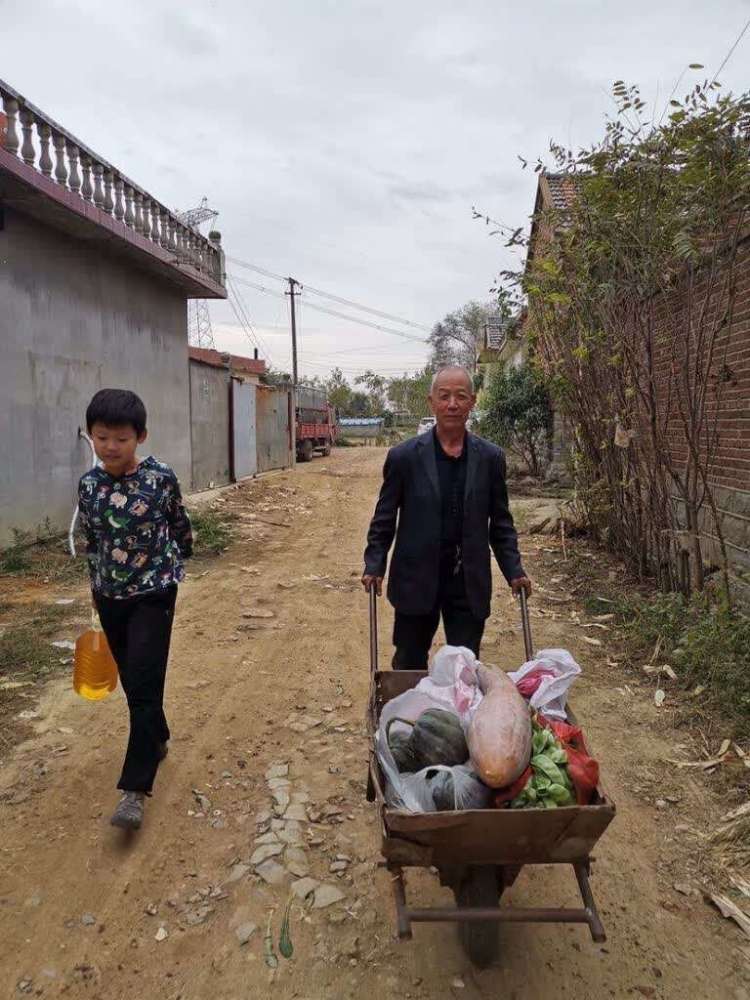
(129, 812)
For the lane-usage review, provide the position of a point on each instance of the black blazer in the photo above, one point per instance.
(411, 493)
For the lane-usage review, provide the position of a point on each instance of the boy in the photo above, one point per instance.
(137, 533)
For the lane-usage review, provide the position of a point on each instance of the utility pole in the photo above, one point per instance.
(292, 293)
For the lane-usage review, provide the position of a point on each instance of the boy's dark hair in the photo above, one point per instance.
(116, 407)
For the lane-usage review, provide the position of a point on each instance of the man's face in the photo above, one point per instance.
(452, 400)
(115, 446)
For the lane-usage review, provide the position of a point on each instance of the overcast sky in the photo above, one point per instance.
(345, 143)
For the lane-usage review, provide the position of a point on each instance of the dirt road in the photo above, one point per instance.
(269, 667)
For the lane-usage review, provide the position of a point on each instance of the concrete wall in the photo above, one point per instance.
(209, 425)
(72, 321)
(360, 430)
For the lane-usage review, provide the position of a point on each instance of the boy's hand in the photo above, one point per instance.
(519, 584)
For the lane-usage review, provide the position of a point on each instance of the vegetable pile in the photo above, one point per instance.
(548, 785)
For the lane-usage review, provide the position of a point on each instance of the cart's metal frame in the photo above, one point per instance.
(505, 839)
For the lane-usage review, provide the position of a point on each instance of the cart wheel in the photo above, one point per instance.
(479, 888)
(307, 451)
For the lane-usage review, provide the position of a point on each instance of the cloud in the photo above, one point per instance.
(345, 143)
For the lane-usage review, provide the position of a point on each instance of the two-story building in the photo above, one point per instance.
(95, 275)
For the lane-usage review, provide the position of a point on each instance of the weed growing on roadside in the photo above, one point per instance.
(213, 531)
(26, 652)
(707, 644)
(42, 554)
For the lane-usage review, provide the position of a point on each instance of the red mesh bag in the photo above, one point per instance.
(505, 795)
(582, 768)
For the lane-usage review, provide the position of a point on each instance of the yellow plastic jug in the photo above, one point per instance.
(94, 667)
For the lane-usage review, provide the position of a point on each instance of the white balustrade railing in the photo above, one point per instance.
(54, 152)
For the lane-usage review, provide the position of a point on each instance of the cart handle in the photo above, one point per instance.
(373, 605)
(373, 596)
(526, 625)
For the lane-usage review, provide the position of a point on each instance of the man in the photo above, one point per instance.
(446, 488)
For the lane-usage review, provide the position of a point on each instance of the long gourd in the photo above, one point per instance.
(499, 735)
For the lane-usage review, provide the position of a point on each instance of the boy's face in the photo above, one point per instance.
(115, 446)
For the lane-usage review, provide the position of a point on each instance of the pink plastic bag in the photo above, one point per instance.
(547, 679)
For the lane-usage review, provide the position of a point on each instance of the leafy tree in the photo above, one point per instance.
(359, 405)
(377, 387)
(274, 376)
(633, 292)
(409, 393)
(456, 339)
(339, 391)
(517, 414)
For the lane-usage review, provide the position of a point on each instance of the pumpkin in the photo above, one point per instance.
(437, 737)
(443, 790)
(499, 734)
(400, 747)
(457, 788)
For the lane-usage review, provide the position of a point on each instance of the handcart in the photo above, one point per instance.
(479, 853)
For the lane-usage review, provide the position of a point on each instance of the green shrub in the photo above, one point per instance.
(517, 414)
(706, 643)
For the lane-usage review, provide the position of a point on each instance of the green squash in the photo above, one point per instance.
(443, 791)
(399, 743)
(437, 737)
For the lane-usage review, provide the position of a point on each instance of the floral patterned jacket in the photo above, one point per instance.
(137, 529)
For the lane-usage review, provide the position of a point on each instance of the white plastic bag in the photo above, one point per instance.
(452, 685)
(404, 791)
(458, 787)
(453, 681)
(415, 792)
(551, 697)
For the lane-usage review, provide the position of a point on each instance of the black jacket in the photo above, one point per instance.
(411, 493)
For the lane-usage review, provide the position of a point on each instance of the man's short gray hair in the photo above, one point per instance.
(452, 368)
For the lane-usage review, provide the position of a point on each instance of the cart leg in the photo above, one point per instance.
(595, 925)
(403, 924)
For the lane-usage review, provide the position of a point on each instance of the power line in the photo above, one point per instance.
(241, 321)
(333, 312)
(256, 336)
(254, 267)
(242, 318)
(260, 288)
(367, 309)
(355, 369)
(330, 295)
(364, 322)
(362, 348)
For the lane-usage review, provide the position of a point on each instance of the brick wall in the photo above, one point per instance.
(728, 404)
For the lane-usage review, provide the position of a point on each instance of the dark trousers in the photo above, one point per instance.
(138, 630)
(413, 634)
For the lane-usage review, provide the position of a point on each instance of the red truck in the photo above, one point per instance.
(316, 423)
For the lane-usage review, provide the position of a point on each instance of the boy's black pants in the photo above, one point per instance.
(413, 634)
(138, 630)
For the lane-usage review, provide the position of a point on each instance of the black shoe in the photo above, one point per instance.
(129, 812)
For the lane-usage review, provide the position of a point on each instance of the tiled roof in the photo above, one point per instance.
(236, 362)
(563, 189)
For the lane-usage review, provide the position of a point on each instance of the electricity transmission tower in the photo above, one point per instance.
(200, 333)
